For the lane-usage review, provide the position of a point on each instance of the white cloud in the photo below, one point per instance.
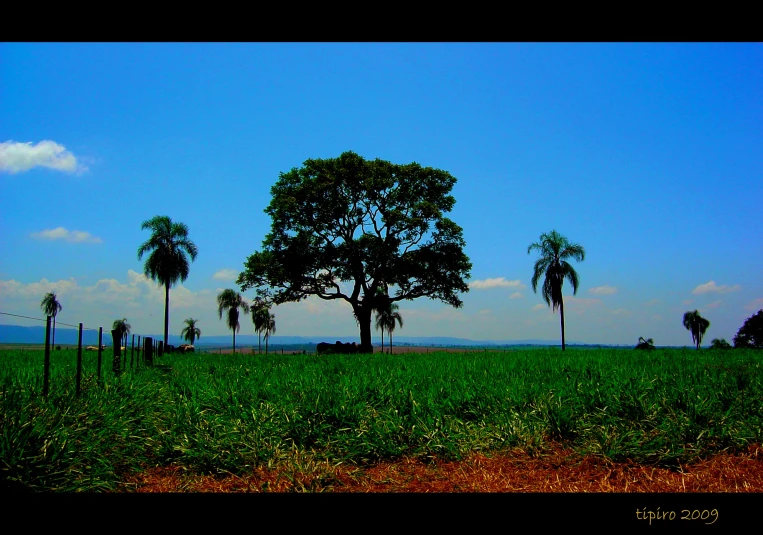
(538, 307)
(712, 287)
(714, 304)
(16, 157)
(225, 275)
(602, 290)
(757, 304)
(499, 282)
(516, 295)
(621, 312)
(60, 233)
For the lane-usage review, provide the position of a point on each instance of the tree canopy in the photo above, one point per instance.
(697, 325)
(750, 334)
(554, 250)
(228, 302)
(344, 227)
(51, 307)
(190, 332)
(167, 261)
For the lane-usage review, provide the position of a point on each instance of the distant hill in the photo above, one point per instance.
(15, 334)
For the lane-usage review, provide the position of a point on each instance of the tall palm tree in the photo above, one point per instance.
(270, 328)
(697, 325)
(386, 318)
(167, 262)
(231, 301)
(554, 251)
(123, 327)
(190, 332)
(51, 307)
(260, 317)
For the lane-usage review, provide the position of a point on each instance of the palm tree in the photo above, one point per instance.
(260, 317)
(554, 250)
(123, 327)
(230, 301)
(270, 328)
(697, 325)
(386, 318)
(190, 332)
(51, 307)
(167, 262)
(644, 343)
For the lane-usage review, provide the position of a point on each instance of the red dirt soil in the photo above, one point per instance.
(558, 470)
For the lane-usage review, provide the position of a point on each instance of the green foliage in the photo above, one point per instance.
(697, 325)
(190, 332)
(645, 344)
(260, 319)
(719, 344)
(554, 251)
(123, 327)
(750, 334)
(368, 223)
(167, 262)
(228, 414)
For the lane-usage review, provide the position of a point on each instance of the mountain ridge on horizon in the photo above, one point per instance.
(17, 334)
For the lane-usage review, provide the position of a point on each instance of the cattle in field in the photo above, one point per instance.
(94, 348)
(185, 348)
(337, 347)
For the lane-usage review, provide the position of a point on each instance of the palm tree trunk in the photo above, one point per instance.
(234, 341)
(561, 310)
(390, 342)
(382, 341)
(266, 344)
(259, 343)
(54, 331)
(166, 311)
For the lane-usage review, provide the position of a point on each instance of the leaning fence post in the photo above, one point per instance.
(46, 364)
(100, 345)
(79, 362)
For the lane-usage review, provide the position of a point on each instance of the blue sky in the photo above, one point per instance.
(647, 154)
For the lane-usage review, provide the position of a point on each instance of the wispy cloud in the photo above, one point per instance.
(225, 275)
(17, 157)
(652, 302)
(538, 307)
(757, 304)
(60, 233)
(712, 287)
(714, 304)
(602, 290)
(516, 295)
(499, 282)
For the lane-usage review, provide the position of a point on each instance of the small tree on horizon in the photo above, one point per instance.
(386, 318)
(716, 343)
(123, 327)
(645, 344)
(260, 317)
(230, 301)
(190, 332)
(51, 307)
(697, 325)
(270, 328)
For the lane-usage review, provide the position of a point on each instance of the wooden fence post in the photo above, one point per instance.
(137, 361)
(79, 361)
(132, 350)
(148, 351)
(116, 337)
(100, 345)
(46, 365)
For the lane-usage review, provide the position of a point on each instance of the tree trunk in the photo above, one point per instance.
(382, 339)
(234, 341)
(259, 343)
(166, 311)
(363, 314)
(561, 310)
(390, 342)
(54, 331)
(266, 344)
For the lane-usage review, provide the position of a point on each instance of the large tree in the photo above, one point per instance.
(750, 334)
(228, 302)
(697, 325)
(167, 262)
(343, 227)
(554, 250)
(51, 307)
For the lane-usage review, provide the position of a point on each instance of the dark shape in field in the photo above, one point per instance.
(719, 344)
(697, 325)
(645, 344)
(750, 334)
(338, 347)
(185, 348)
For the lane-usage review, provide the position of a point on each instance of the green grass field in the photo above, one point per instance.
(227, 413)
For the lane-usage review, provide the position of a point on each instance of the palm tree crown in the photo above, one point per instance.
(123, 327)
(51, 307)
(270, 328)
(697, 325)
(167, 262)
(386, 318)
(260, 318)
(190, 332)
(552, 264)
(230, 301)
